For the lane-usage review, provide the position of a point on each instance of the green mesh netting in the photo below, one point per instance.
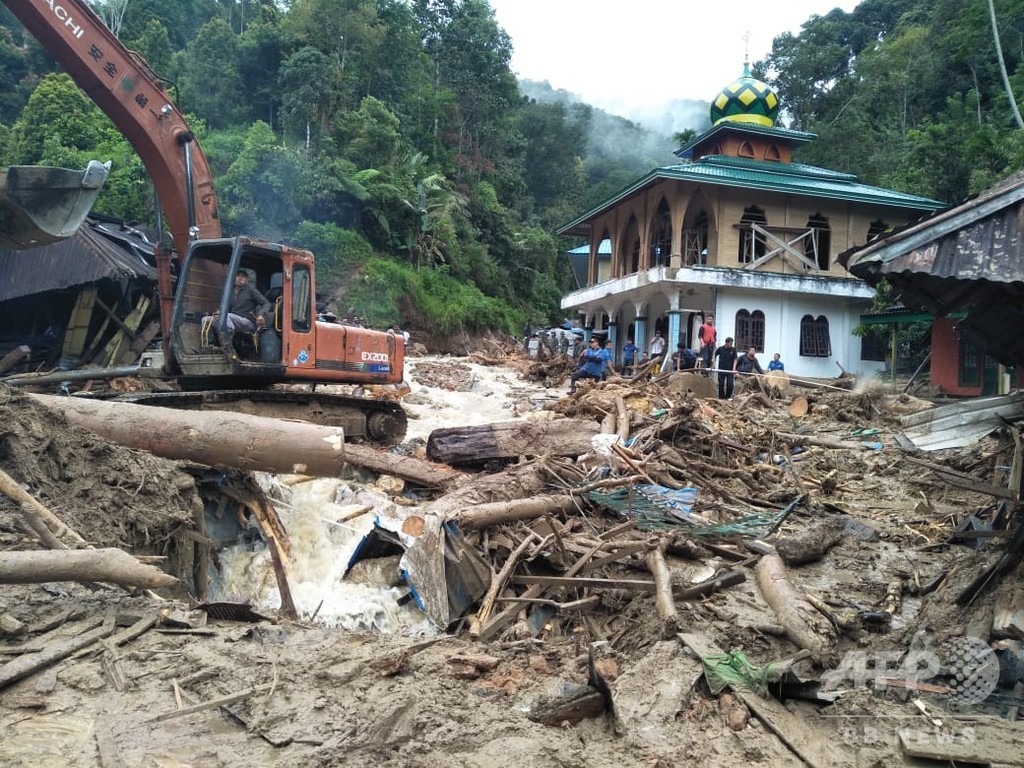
(658, 508)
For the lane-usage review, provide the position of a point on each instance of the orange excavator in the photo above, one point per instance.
(214, 367)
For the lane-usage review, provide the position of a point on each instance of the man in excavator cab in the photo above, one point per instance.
(248, 312)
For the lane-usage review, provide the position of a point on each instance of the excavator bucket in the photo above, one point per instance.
(41, 204)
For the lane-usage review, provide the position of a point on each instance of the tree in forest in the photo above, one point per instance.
(306, 104)
(210, 81)
(555, 140)
(351, 36)
(266, 187)
(13, 69)
(60, 126)
(471, 56)
(182, 18)
(262, 49)
(154, 45)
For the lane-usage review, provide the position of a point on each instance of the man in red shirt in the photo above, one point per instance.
(708, 336)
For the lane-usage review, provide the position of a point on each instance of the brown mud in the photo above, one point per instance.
(333, 697)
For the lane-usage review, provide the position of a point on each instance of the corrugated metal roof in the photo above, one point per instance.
(959, 424)
(971, 258)
(83, 258)
(604, 248)
(784, 178)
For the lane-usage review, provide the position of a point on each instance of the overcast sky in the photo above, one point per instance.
(605, 50)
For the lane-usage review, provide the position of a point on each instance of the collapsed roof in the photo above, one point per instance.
(88, 256)
(967, 258)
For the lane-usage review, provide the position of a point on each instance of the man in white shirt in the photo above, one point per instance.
(657, 345)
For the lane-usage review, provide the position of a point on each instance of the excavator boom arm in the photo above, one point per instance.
(127, 91)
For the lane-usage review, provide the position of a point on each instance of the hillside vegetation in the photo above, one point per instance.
(392, 138)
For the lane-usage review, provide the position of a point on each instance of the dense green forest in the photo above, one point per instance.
(392, 139)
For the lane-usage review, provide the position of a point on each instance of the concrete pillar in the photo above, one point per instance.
(640, 339)
(613, 337)
(674, 333)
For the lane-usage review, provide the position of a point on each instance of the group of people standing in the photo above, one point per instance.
(729, 360)
(596, 361)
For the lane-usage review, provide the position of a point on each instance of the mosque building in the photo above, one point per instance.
(740, 231)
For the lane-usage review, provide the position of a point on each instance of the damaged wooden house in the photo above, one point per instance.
(84, 301)
(964, 267)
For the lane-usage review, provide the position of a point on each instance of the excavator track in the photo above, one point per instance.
(376, 421)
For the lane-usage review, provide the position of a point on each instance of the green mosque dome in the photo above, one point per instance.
(747, 100)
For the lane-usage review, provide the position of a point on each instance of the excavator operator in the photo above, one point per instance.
(248, 310)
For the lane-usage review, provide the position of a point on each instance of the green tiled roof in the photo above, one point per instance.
(784, 178)
(793, 137)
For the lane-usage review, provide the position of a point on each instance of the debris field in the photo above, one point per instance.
(634, 574)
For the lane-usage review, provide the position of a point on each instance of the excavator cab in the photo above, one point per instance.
(293, 345)
(200, 344)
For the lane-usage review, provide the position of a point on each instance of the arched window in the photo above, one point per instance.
(750, 330)
(746, 150)
(661, 235)
(695, 241)
(814, 337)
(817, 247)
(773, 154)
(752, 244)
(631, 248)
(877, 228)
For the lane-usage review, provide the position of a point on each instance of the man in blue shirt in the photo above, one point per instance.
(591, 364)
(608, 353)
(776, 364)
(628, 356)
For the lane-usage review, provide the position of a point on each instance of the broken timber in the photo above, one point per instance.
(28, 663)
(803, 624)
(511, 439)
(253, 443)
(112, 566)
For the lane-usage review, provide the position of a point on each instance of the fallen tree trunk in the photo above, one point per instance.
(823, 442)
(663, 600)
(225, 439)
(113, 566)
(511, 439)
(495, 512)
(803, 624)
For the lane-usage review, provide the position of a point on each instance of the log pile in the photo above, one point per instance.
(675, 480)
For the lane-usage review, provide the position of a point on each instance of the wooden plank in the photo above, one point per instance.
(128, 330)
(632, 585)
(29, 663)
(78, 324)
(963, 480)
(139, 344)
(221, 701)
(791, 729)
